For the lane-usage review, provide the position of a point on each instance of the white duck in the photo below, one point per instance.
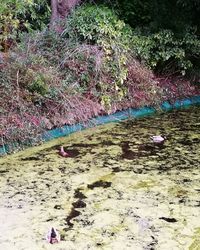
(158, 139)
(53, 236)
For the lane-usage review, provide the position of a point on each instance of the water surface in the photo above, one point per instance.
(117, 191)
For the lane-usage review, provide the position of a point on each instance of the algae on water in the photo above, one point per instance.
(117, 191)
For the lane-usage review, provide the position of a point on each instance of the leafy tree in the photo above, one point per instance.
(18, 15)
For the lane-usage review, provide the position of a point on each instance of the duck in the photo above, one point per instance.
(53, 236)
(62, 152)
(158, 139)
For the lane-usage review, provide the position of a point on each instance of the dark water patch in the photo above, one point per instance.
(117, 169)
(127, 169)
(49, 169)
(72, 152)
(86, 222)
(49, 220)
(138, 171)
(108, 143)
(84, 145)
(89, 137)
(116, 135)
(62, 169)
(152, 245)
(79, 204)
(4, 171)
(78, 194)
(182, 201)
(41, 172)
(103, 184)
(99, 244)
(162, 168)
(146, 147)
(73, 214)
(17, 193)
(58, 207)
(32, 158)
(151, 149)
(197, 204)
(143, 150)
(81, 170)
(126, 152)
(170, 220)
(196, 140)
(186, 180)
(185, 142)
(53, 148)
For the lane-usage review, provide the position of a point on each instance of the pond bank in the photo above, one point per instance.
(118, 116)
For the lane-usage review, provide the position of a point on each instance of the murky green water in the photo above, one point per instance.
(119, 191)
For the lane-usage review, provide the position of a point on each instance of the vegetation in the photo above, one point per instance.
(94, 60)
(17, 16)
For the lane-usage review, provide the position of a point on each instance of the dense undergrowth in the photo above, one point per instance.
(97, 65)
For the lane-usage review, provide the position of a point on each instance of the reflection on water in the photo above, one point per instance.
(117, 190)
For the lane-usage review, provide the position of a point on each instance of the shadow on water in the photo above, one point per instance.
(103, 184)
(76, 204)
(140, 150)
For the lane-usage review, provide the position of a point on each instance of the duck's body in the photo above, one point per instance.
(158, 139)
(62, 152)
(53, 236)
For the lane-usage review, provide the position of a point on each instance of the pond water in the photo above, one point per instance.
(118, 190)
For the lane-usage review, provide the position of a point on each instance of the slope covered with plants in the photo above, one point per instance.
(97, 64)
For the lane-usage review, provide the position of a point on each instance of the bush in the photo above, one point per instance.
(99, 26)
(17, 16)
(38, 85)
(165, 53)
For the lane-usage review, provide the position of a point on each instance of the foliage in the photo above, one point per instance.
(51, 79)
(38, 85)
(16, 15)
(158, 14)
(100, 26)
(164, 52)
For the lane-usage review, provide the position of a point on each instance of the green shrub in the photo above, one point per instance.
(38, 85)
(95, 23)
(18, 15)
(163, 52)
(100, 26)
